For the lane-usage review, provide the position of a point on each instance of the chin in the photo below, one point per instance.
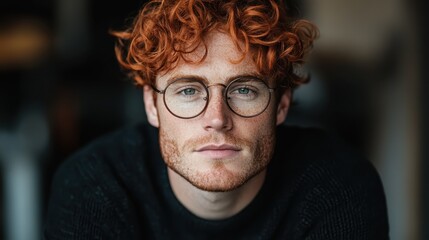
(216, 187)
(218, 180)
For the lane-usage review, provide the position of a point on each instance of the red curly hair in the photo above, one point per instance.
(165, 31)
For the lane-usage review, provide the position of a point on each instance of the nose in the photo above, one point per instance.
(217, 115)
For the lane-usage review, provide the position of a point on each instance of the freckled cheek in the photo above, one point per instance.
(262, 123)
(260, 134)
(166, 119)
(172, 131)
(177, 130)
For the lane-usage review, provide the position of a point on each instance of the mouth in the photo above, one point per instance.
(218, 151)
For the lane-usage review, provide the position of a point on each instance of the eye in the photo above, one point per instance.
(188, 91)
(243, 90)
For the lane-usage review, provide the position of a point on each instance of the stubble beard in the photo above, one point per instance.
(219, 178)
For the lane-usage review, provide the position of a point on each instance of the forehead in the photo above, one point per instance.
(220, 64)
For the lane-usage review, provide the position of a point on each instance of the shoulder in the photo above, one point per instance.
(318, 155)
(332, 181)
(98, 161)
(88, 188)
(318, 150)
(95, 156)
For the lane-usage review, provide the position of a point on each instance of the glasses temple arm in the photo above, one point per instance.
(156, 90)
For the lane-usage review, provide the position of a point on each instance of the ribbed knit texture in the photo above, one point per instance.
(117, 188)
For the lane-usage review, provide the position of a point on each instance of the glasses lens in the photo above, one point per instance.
(185, 98)
(248, 98)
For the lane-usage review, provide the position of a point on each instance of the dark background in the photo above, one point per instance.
(60, 88)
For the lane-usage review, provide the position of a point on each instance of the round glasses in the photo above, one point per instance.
(188, 98)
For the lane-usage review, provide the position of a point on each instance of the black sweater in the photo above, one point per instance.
(117, 188)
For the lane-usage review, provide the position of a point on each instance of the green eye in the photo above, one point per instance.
(188, 91)
(243, 91)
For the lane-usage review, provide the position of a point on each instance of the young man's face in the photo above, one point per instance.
(217, 150)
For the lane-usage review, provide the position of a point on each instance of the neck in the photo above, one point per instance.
(214, 205)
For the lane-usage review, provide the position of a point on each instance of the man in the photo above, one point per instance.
(215, 160)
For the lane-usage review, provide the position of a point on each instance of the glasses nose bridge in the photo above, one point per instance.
(218, 84)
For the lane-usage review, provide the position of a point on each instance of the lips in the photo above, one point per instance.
(218, 151)
(213, 147)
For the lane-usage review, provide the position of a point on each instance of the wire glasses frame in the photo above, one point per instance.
(240, 84)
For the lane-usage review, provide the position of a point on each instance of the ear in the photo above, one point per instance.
(283, 106)
(150, 106)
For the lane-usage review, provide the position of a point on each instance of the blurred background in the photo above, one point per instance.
(60, 87)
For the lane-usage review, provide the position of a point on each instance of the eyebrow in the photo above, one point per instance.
(205, 80)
